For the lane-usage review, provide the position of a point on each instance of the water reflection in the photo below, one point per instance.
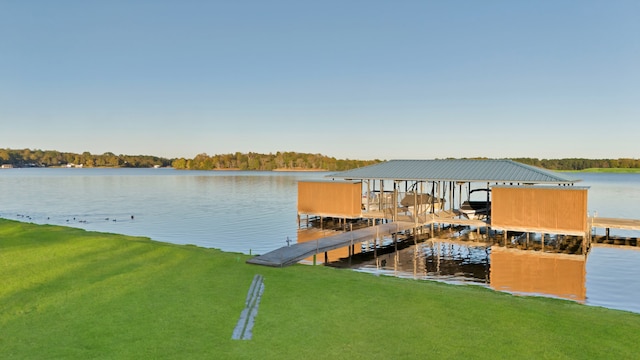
(311, 234)
(512, 270)
(437, 260)
(535, 272)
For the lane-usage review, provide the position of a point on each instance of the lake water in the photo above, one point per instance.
(255, 212)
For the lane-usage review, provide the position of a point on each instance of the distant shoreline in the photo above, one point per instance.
(605, 170)
(274, 170)
(590, 170)
(300, 170)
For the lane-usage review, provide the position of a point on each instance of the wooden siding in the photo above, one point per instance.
(527, 271)
(558, 210)
(330, 198)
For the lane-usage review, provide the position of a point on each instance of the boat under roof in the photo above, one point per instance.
(459, 170)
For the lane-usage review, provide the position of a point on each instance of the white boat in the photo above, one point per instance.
(420, 203)
(373, 200)
(476, 210)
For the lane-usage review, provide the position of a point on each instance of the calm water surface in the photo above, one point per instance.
(256, 212)
(228, 210)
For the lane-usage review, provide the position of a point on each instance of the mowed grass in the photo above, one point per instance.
(71, 294)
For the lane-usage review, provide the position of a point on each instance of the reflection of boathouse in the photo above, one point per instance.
(535, 272)
(475, 262)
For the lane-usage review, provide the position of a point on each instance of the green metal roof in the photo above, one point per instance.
(456, 170)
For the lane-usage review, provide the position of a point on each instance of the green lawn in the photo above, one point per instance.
(72, 294)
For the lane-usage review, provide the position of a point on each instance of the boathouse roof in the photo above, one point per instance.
(466, 170)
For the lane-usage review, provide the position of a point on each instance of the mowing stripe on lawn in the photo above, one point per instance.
(243, 330)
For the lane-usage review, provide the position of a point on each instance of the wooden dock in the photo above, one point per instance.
(614, 223)
(289, 255)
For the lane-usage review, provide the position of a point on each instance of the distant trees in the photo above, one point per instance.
(255, 161)
(39, 158)
(581, 164)
(268, 162)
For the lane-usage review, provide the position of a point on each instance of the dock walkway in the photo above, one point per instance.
(615, 223)
(289, 255)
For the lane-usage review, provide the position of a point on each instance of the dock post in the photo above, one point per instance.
(438, 259)
(395, 253)
(415, 261)
(350, 250)
(375, 248)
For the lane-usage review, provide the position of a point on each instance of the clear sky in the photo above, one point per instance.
(350, 79)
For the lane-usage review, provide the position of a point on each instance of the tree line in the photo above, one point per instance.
(49, 158)
(255, 161)
(578, 164)
(269, 162)
(237, 161)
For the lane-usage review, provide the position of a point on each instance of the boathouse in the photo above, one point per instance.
(503, 195)
(508, 200)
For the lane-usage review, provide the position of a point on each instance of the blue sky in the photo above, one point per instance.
(350, 79)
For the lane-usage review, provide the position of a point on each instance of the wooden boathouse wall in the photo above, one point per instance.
(330, 198)
(542, 209)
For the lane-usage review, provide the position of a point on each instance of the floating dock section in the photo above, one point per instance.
(289, 255)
